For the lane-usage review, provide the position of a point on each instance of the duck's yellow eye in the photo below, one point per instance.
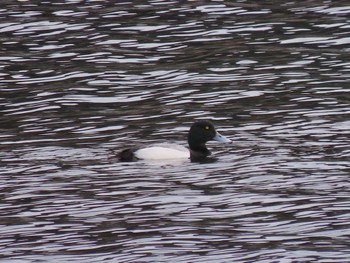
(207, 127)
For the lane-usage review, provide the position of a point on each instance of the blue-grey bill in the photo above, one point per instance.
(221, 138)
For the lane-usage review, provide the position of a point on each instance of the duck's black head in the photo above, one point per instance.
(201, 132)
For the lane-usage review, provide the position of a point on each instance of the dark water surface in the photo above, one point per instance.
(79, 80)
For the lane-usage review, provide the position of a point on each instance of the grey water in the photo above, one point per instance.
(82, 80)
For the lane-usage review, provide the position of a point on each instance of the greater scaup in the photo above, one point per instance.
(199, 133)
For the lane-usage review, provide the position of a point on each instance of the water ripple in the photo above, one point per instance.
(81, 81)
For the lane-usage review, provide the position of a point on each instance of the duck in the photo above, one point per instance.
(200, 132)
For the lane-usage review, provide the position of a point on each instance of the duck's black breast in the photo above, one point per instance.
(199, 155)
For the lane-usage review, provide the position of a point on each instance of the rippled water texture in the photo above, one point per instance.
(81, 80)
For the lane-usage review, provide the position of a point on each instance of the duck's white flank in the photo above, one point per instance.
(163, 152)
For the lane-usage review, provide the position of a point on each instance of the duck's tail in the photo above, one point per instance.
(126, 155)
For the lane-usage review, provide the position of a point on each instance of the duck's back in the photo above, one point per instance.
(162, 151)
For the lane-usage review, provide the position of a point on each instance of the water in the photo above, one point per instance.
(81, 80)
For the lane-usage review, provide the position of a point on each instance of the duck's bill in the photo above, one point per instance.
(221, 138)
